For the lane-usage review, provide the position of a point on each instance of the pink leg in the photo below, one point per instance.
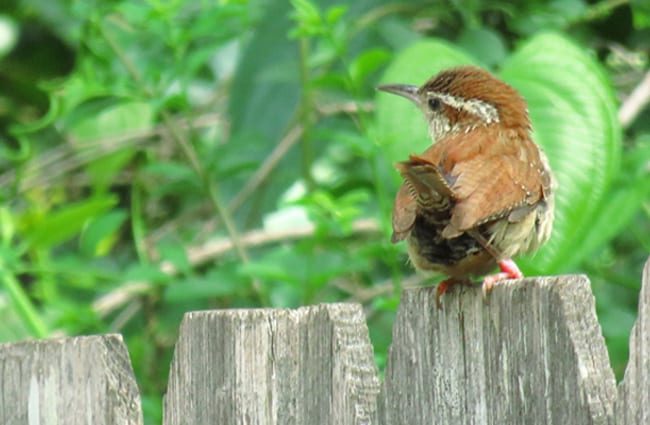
(509, 270)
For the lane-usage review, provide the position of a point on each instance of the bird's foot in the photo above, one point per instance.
(445, 285)
(509, 270)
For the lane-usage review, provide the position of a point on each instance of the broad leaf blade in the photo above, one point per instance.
(574, 115)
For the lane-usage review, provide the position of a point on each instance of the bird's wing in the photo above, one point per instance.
(494, 187)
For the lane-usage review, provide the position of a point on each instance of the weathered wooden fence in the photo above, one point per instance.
(533, 355)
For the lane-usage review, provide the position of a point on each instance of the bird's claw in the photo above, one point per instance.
(445, 285)
(440, 290)
(509, 270)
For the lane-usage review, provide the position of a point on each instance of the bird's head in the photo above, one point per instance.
(465, 98)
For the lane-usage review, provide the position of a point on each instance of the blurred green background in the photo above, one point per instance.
(161, 156)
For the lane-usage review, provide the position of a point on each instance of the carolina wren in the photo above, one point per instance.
(483, 192)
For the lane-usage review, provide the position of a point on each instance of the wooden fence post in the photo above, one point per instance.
(633, 403)
(312, 365)
(81, 380)
(534, 354)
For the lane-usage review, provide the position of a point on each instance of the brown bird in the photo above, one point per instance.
(483, 192)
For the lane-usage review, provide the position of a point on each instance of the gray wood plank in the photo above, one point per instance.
(633, 404)
(68, 381)
(312, 365)
(534, 354)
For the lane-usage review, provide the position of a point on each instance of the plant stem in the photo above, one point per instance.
(210, 186)
(305, 115)
(137, 223)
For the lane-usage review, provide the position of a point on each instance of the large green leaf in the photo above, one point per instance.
(628, 193)
(573, 110)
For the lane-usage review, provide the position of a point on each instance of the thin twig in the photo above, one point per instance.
(345, 107)
(305, 115)
(211, 186)
(265, 169)
(212, 250)
(281, 149)
(260, 237)
(120, 296)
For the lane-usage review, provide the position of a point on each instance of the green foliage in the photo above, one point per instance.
(574, 113)
(161, 157)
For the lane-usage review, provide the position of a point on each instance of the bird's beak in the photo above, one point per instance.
(404, 90)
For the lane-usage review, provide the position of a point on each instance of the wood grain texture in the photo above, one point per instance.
(312, 365)
(633, 404)
(81, 380)
(534, 354)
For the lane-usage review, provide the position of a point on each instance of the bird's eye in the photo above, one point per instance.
(434, 103)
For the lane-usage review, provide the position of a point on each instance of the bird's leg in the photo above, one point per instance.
(509, 270)
(444, 286)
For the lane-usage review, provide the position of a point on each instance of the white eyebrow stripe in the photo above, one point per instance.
(484, 111)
